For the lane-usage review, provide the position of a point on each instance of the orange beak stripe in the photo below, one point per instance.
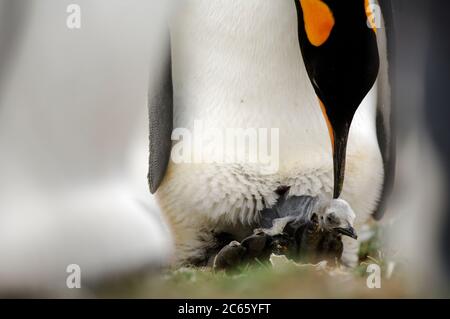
(330, 127)
(319, 21)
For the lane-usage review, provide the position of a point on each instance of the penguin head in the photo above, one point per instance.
(340, 53)
(339, 217)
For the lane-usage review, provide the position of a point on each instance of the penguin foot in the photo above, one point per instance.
(229, 256)
(310, 244)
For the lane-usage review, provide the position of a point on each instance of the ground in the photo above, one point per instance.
(263, 280)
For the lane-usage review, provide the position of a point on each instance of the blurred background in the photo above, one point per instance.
(74, 142)
(74, 148)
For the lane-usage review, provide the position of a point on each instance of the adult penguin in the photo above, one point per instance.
(238, 64)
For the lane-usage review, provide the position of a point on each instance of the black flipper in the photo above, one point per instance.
(385, 112)
(160, 108)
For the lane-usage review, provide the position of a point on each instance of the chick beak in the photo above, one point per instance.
(347, 231)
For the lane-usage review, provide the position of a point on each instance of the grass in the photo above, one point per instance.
(261, 280)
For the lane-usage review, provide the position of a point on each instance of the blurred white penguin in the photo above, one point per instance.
(74, 143)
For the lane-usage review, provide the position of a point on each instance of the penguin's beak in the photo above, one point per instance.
(339, 144)
(347, 231)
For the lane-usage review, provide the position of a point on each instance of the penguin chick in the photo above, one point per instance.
(229, 256)
(338, 217)
(315, 223)
(321, 238)
(291, 212)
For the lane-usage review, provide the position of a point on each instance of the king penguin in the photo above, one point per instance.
(314, 69)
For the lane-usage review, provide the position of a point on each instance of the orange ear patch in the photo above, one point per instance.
(319, 21)
(370, 15)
